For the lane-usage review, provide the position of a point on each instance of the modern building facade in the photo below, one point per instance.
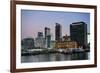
(40, 34)
(47, 37)
(39, 41)
(58, 32)
(78, 33)
(52, 44)
(27, 43)
(47, 31)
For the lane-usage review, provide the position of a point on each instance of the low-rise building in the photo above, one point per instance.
(27, 43)
(66, 43)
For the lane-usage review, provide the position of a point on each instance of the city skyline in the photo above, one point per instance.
(34, 21)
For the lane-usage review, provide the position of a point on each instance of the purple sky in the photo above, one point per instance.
(34, 21)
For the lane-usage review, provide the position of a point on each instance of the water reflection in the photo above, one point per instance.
(55, 57)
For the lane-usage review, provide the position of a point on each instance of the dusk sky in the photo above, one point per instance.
(34, 21)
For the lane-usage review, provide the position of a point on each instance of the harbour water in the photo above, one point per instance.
(55, 57)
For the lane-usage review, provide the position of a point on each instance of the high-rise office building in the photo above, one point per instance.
(47, 31)
(58, 32)
(47, 37)
(78, 33)
(40, 41)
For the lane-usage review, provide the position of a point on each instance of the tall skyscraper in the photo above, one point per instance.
(47, 31)
(58, 32)
(47, 37)
(78, 33)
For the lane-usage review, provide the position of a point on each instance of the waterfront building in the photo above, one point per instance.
(58, 32)
(52, 44)
(39, 41)
(27, 43)
(47, 37)
(66, 43)
(78, 33)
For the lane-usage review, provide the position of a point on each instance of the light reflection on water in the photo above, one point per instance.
(55, 57)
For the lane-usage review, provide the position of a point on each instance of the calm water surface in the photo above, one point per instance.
(55, 57)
